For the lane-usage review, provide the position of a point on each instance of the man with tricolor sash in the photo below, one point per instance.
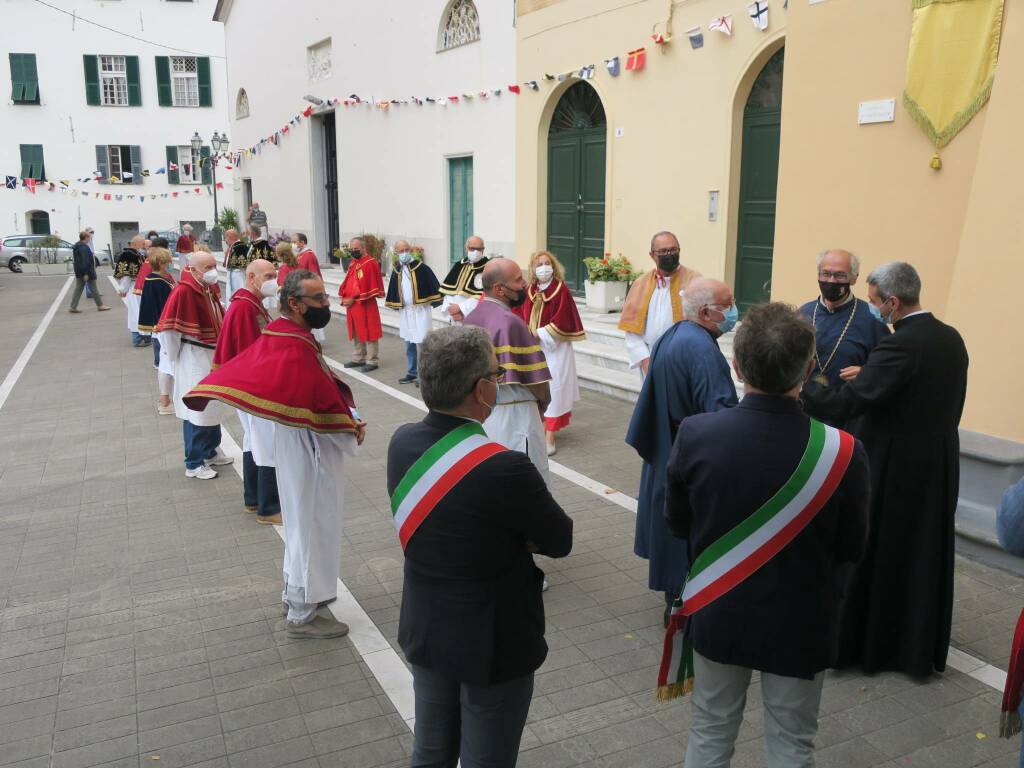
(773, 504)
(469, 514)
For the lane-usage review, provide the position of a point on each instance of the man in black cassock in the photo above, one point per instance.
(910, 395)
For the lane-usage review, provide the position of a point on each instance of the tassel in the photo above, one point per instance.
(1009, 724)
(936, 162)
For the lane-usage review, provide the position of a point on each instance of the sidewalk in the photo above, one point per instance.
(139, 611)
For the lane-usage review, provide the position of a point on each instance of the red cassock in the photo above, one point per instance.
(144, 270)
(363, 283)
(193, 309)
(243, 323)
(308, 260)
(282, 377)
(282, 273)
(553, 308)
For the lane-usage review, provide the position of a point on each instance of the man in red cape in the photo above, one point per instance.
(304, 255)
(243, 323)
(359, 291)
(283, 378)
(187, 330)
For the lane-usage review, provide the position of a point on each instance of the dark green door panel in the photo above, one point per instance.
(460, 202)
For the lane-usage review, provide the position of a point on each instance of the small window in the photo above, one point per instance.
(185, 81)
(188, 169)
(113, 81)
(119, 161)
(460, 25)
(241, 104)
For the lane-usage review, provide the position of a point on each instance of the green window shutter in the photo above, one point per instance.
(131, 67)
(206, 164)
(26, 162)
(163, 81)
(92, 80)
(17, 77)
(136, 158)
(205, 89)
(102, 166)
(31, 78)
(32, 162)
(172, 157)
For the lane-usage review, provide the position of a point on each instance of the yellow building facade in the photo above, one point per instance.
(689, 143)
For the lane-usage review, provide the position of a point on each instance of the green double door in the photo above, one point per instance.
(576, 176)
(759, 179)
(460, 205)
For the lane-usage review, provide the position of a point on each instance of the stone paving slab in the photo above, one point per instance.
(139, 611)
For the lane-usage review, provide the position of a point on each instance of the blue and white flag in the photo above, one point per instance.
(758, 12)
(613, 66)
(696, 38)
(11, 182)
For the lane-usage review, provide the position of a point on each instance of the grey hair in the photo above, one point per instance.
(452, 360)
(292, 287)
(854, 259)
(694, 299)
(899, 279)
(773, 348)
(662, 234)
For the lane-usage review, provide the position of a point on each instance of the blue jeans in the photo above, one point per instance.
(156, 351)
(481, 724)
(410, 358)
(259, 487)
(200, 443)
(137, 339)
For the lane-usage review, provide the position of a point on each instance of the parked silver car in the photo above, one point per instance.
(17, 250)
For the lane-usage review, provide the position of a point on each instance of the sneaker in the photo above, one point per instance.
(251, 510)
(75, 311)
(369, 367)
(354, 364)
(407, 379)
(201, 472)
(104, 308)
(165, 410)
(219, 459)
(270, 519)
(319, 628)
(552, 449)
(544, 586)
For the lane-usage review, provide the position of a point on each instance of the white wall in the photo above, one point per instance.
(69, 129)
(393, 174)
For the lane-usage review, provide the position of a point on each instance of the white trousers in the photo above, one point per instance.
(719, 696)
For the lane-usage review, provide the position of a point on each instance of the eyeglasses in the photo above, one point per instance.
(667, 252)
(322, 298)
(839, 277)
(497, 376)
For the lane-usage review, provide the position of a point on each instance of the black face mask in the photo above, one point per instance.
(356, 253)
(515, 298)
(317, 317)
(668, 262)
(833, 291)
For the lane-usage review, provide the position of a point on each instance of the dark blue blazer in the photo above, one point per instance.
(784, 618)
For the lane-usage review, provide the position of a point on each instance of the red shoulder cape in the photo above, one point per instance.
(193, 310)
(282, 377)
(363, 282)
(308, 260)
(243, 323)
(144, 270)
(554, 309)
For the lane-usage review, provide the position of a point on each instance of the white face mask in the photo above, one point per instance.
(544, 272)
(269, 288)
(404, 257)
(474, 255)
(210, 277)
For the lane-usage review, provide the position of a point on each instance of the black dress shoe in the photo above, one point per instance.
(368, 367)
(353, 364)
(407, 379)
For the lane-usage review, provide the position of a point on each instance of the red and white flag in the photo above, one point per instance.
(637, 59)
(722, 24)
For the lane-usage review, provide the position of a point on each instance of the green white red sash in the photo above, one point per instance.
(435, 473)
(751, 544)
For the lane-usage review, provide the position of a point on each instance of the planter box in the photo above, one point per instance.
(605, 296)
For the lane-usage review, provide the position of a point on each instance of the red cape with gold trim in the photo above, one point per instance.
(144, 270)
(282, 377)
(192, 310)
(243, 323)
(363, 284)
(308, 261)
(553, 308)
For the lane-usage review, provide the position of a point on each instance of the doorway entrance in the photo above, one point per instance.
(759, 180)
(460, 206)
(331, 185)
(121, 234)
(577, 141)
(38, 222)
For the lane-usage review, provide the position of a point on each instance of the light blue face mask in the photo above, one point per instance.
(877, 312)
(730, 316)
(405, 257)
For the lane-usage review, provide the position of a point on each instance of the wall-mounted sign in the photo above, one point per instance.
(713, 205)
(620, 132)
(883, 111)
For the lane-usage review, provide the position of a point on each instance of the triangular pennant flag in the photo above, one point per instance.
(11, 182)
(613, 66)
(118, 197)
(220, 185)
(660, 39)
(514, 89)
(229, 167)
(696, 37)
(307, 111)
(174, 194)
(637, 59)
(158, 171)
(453, 98)
(758, 12)
(284, 129)
(107, 196)
(722, 24)
(52, 186)
(533, 85)
(30, 184)
(197, 190)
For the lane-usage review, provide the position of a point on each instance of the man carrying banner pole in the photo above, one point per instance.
(772, 504)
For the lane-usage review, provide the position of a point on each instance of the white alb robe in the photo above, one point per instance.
(564, 385)
(261, 440)
(126, 285)
(311, 486)
(189, 365)
(466, 303)
(515, 423)
(235, 281)
(414, 320)
(659, 319)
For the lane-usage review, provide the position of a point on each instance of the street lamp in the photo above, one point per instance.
(218, 143)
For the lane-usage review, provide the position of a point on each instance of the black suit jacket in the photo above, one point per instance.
(471, 602)
(84, 264)
(783, 618)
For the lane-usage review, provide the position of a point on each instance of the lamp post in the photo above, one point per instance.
(217, 143)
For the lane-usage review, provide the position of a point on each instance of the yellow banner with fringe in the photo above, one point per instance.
(954, 46)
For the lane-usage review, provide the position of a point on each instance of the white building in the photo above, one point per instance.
(121, 99)
(429, 170)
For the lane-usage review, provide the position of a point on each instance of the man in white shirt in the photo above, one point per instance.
(463, 287)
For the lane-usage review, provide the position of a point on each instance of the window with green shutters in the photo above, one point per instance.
(24, 78)
(112, 81)
(183, 81)
(32, 162)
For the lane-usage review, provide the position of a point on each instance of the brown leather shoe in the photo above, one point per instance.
(75, 311)
(251, 510)
(319, 628)
(270, 519)
(104, 308)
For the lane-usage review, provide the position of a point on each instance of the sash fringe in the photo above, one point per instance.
(1009, 724)
(675, 690)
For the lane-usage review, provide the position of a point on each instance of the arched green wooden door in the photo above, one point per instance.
(759, 179)
(576, 179)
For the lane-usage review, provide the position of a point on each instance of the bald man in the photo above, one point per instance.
(243, 324)
(523, 392)
(188, 330)
(687, 375)
(845, 330)
(126, 269)
(463, 287)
